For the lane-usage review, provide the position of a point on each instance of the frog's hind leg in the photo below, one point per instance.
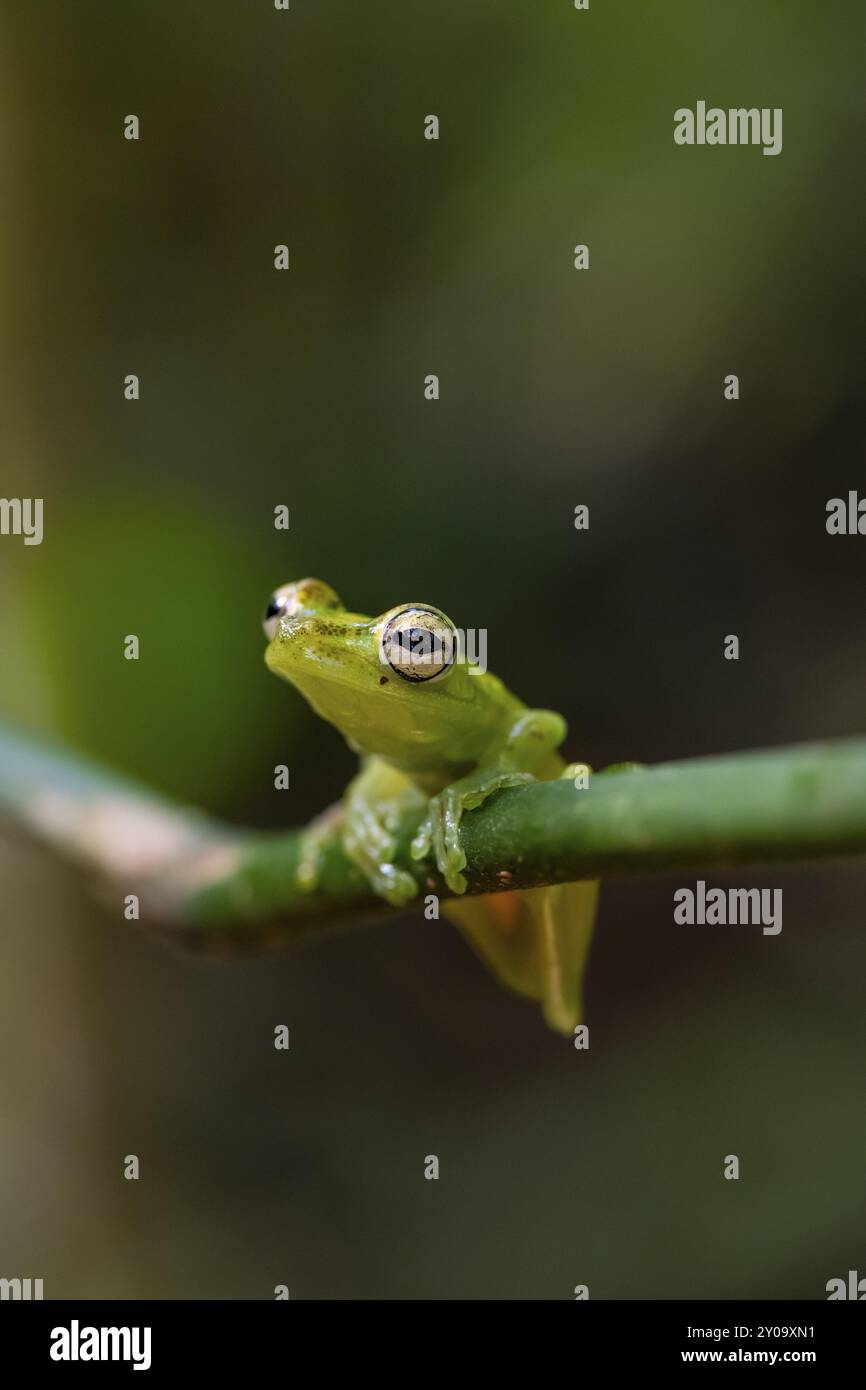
(536, 942)
(566, 917)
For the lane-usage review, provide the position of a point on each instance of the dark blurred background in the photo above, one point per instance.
(604, 387)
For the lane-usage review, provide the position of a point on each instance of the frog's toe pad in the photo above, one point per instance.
(395, 885)
(420, 846)
(456, 881)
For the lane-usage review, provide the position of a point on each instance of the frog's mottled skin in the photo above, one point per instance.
(445, 745)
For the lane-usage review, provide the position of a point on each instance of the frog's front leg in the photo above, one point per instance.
(318, 834)
(526, 754)
(374, 805)
(440, 830)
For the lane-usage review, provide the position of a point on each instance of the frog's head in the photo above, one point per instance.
(393, 684)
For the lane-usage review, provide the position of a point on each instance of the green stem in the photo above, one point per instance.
(223, 888)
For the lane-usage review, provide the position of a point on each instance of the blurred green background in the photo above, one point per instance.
(306, 388)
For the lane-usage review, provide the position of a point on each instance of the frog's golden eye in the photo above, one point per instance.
(419, 644)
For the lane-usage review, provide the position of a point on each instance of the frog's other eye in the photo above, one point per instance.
(301, 596)
(275, 612)
(419, 644)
